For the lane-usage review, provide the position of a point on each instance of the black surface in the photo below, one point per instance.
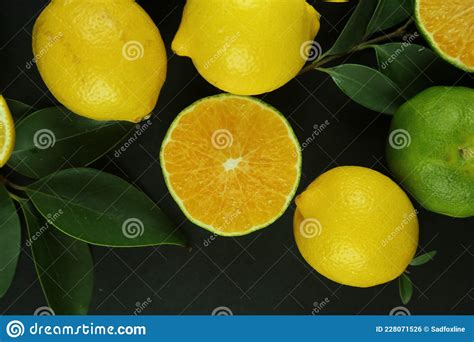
(261, 273)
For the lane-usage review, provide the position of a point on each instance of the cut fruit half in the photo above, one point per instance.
(7, 132)
(232, 163)
(449, 28)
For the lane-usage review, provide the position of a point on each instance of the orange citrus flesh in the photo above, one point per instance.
(449, 26)
(232, 164)
(7, 132)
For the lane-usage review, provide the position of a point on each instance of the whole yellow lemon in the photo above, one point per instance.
(247, 47)
(101, 59)
(356, 227)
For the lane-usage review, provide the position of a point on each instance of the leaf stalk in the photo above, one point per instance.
(366, 44)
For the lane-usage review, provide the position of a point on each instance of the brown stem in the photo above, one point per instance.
(395, 34)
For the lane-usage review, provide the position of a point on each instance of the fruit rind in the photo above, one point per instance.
(349, 237)
(180, 202)
(9, 132)
(237, 52)
(442, 181)
(104, 66)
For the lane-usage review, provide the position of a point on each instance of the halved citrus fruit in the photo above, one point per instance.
(232, 163)
(7, 132)
(449, 28)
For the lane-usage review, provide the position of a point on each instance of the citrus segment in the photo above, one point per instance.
(7, 132)
(232, 164)
(449, 27)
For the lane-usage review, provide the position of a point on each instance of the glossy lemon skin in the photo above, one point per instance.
(367, 228)
(7, 132)
(246, 47)
(101, 59)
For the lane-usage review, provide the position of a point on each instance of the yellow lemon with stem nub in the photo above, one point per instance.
(248, 47)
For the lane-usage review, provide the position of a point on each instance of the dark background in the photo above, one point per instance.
(261, 273)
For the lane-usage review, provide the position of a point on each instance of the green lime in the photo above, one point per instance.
(430, 149)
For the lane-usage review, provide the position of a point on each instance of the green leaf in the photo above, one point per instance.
(103, 209)
(64, 265)
(19, 109)
(404, 64)
(54, 138)
(388, 14)
(405, 287)
(366, 86)
(355, 29)
(10, 238)
(423, 259)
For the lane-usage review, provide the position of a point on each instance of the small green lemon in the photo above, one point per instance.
(430, 149)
